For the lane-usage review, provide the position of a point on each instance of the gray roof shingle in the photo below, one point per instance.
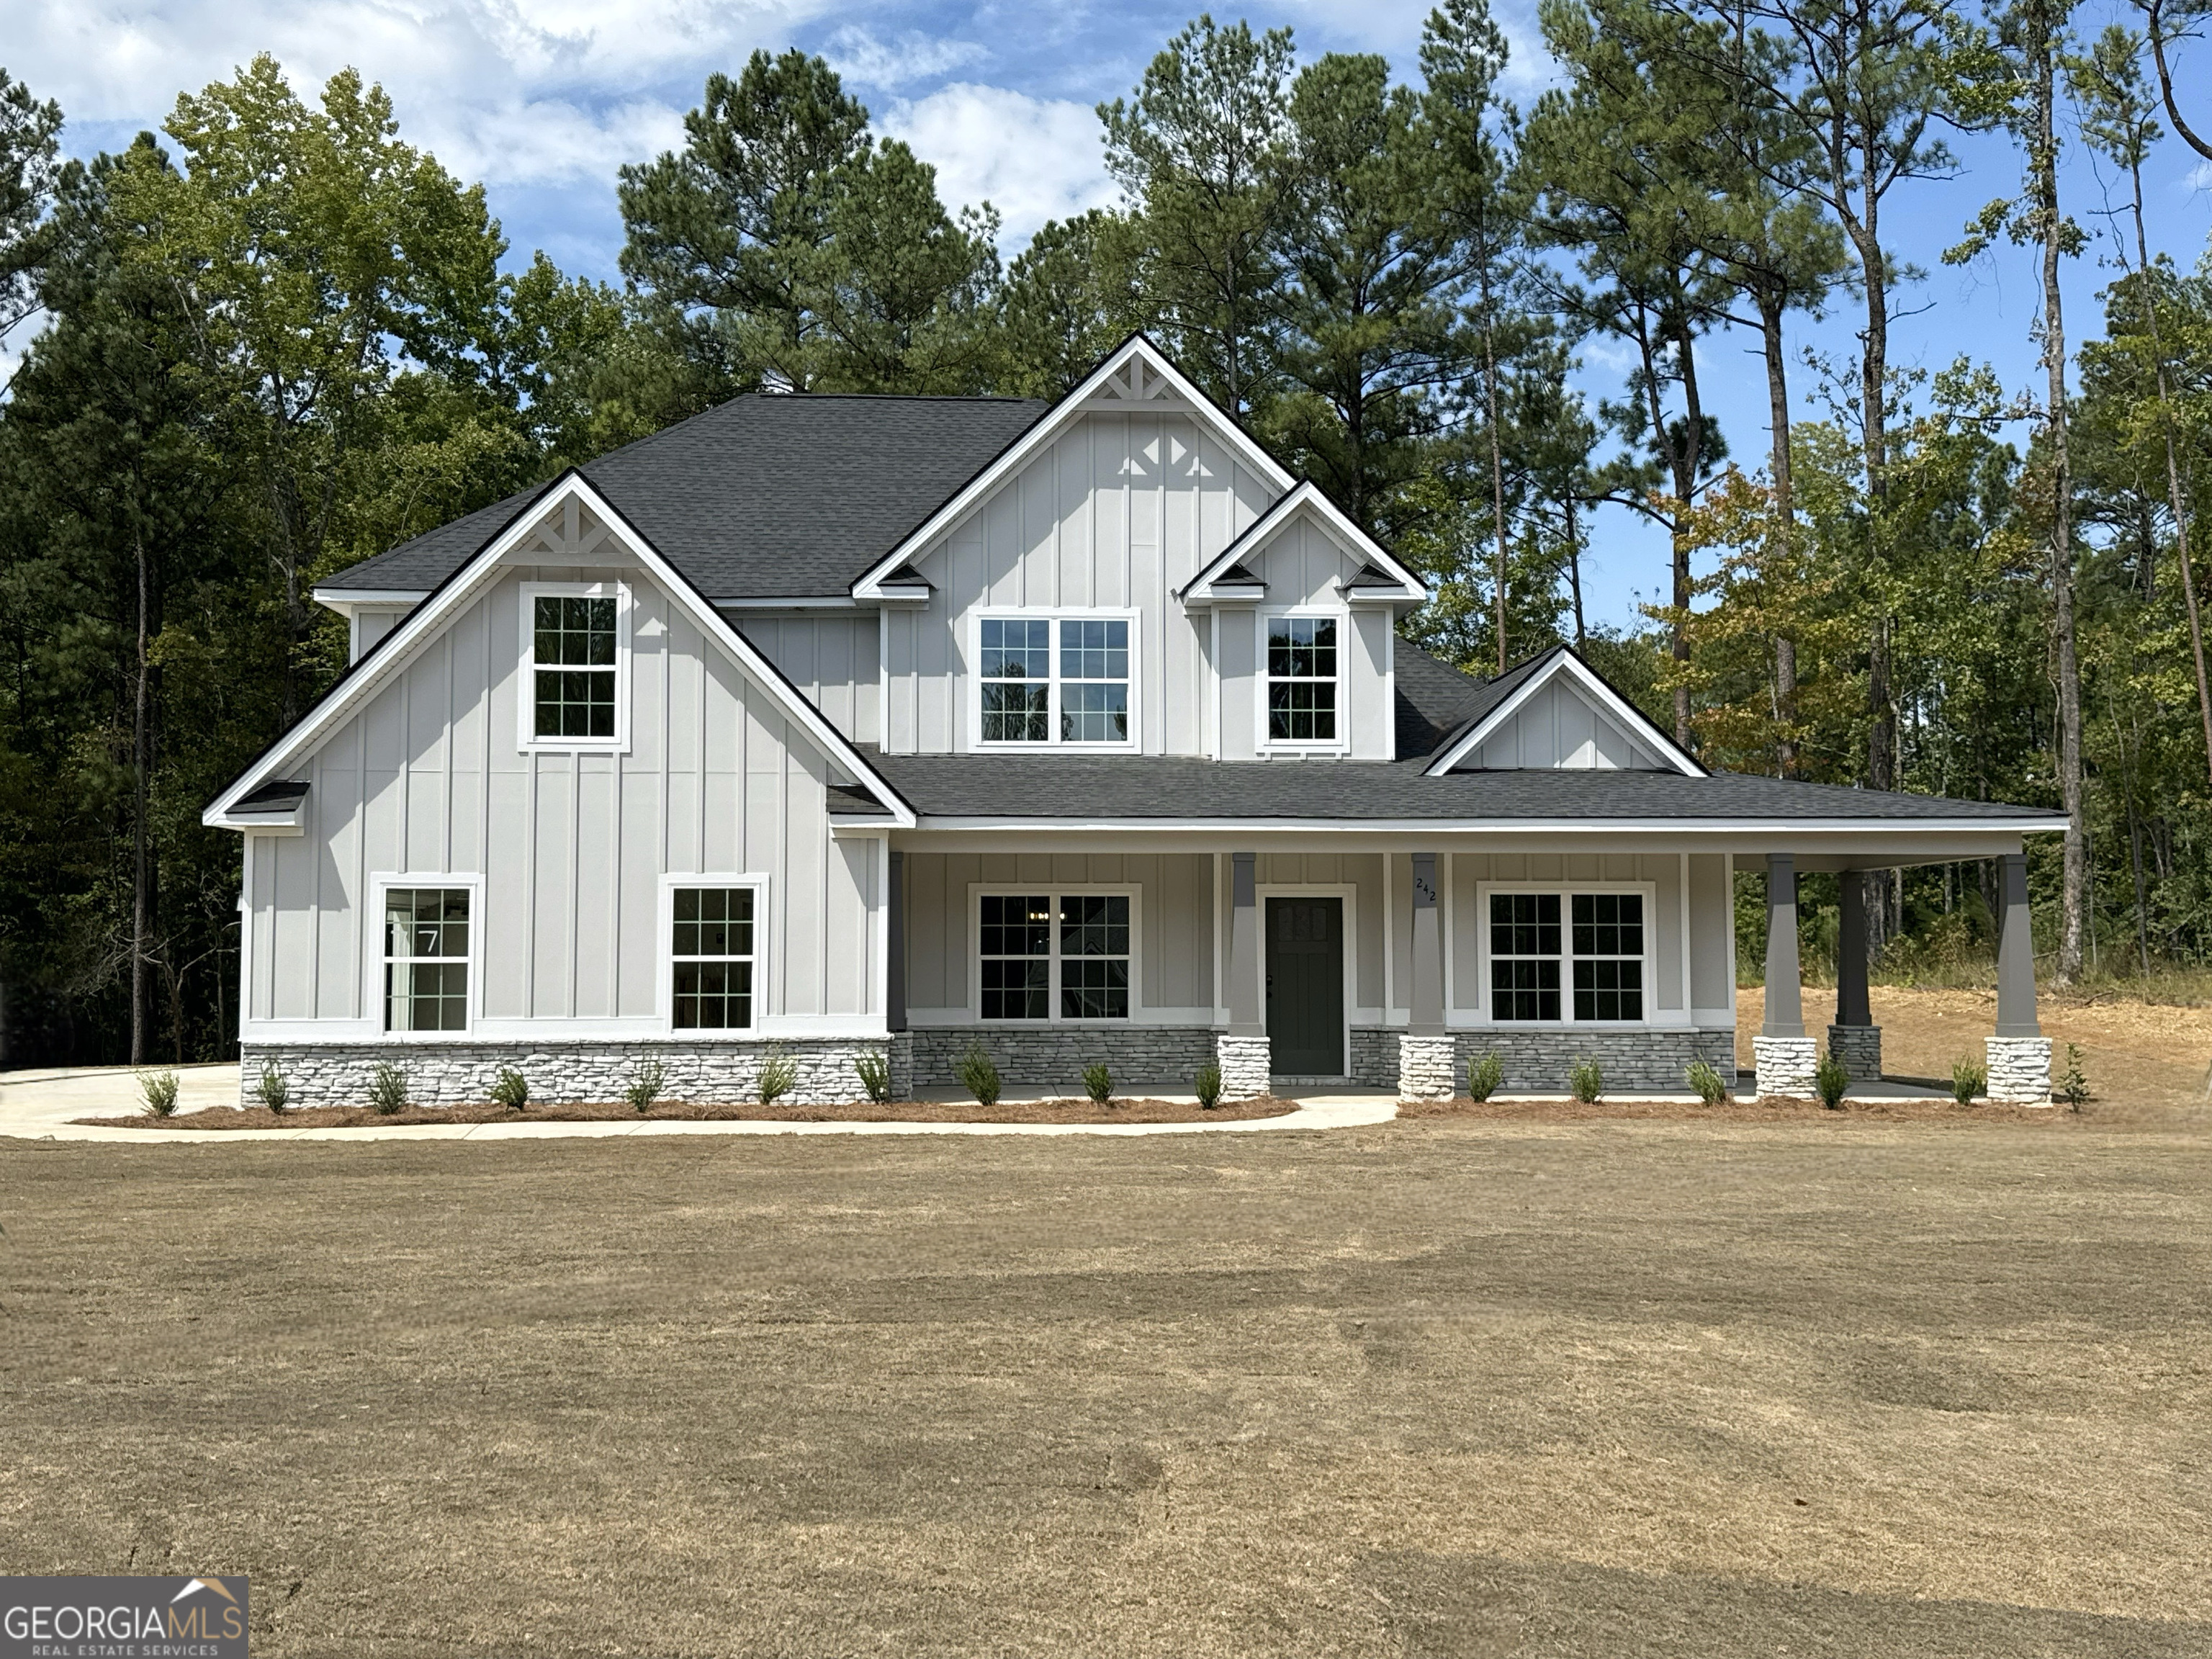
(763, 496)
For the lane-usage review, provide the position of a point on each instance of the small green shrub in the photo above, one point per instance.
(159, 1091)
(979, 1074)
(511, 1089)
(1586, 1082)
(2072, 1084)
(1706, 1078)
(1207, 1085)
(645, 1086)
(1829, 1080)
(779, 1073)
(270, 1088)
(1485, 1075)
(387, 1088)
(1098, 1082)
(874, 1068)
(1968, 1078)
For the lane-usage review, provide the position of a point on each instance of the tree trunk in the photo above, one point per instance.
(1785, 519)
(1497, 456)
(1575, 572)
(1873, 377)
(142, 847)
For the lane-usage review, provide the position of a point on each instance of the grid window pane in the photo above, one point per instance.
(1608, 924)
(575, 632)
(575, 703)
(713, 996)
(1094, 713)
(1524, 924)
(1017, 712)
(1094, 924)
(1029, 944)
(1524, 989)
(713, 922)
(1094, 987)
(1017, 950)
(1302, 648)
(1609, 990)
(711, 942)
(1016, 990)
(1301, 711)
(426, 948)
(1094, 650)
(1302, 679)
(1016, 650)
(1016, 927)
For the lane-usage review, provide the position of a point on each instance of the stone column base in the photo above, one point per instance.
(1428, 1066)
(1784, 1065)
(1244, 1062)
(898, 1050)
(1858, 1049)
(2020, 1070)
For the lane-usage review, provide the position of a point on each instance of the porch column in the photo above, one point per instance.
(1241, 1050)
(1783, 1053)
(1854, 1039)
(1427, 1062)
(899, 1051)
(2019, 1054)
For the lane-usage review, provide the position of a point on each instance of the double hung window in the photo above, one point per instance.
(1048, 956)
(426, 958)
(1055, 680)
(575, 645)
(1566, 956)
(1302, 680)
(711, 954)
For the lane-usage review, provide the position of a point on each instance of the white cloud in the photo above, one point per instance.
(1033, 159)
(858, 55)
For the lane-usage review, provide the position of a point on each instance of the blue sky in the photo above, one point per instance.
(543, 99)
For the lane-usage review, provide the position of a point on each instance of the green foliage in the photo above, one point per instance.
(645, 1083)
(1485, 1075)
(1829, 1080)
(978, 1073)
(1098, 1082)
(2073, 1085)
(1969, 1078)
(1207, 1085)
(1705, 1078)
(779, 1074)
(510, 1089)
(271, 1088)
(387, 1088)
(874, 1068)
(1586, 1081)
(157, 1092)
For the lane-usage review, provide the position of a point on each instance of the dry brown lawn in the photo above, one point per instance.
(1439, 1388)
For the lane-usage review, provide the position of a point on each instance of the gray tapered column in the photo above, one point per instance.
(1428, 1064)
(1785, 1054)
(2018, 1054)
(1242, 1050)
(895, 990)
(1854, 1039)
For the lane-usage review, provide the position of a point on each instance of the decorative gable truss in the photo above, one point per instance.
(571, 524)
(1561, 716)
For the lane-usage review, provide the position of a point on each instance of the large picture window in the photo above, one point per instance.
(1566, 956)
(1053, 956)
(575, 646)
(711, 954)
(426, 958)
(1302, 680)
(1054, 680)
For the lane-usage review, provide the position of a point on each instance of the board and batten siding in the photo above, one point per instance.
(429, 779)
(832, 658)
(1117, 512)
(1558, 728)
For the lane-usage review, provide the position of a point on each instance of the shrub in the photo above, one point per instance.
(387, 1088)
(1207, 1085)
(1098, 1082)
(1968, 1078)
(874, 1067)
(511, 1089)
(271, 1089)
(159, 1091)
(1485, 1075)
(2072, 1084)
(979, 1074)
(1706, 1078)
(645, 1084)
(1829, 1080)
(1586, 1082)
(779, 1073)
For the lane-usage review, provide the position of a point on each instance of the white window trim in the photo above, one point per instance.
(526, 691)
(663, 957)
(373, 959)
(1262, 743)
(1052, 741)
(1055, 891)
(1566, 889)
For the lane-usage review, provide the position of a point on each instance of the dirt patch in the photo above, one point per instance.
(1773, 1110)
(907, 1111)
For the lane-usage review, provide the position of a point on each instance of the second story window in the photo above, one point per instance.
(1301, 683)
(575, 644)
(1055, 679)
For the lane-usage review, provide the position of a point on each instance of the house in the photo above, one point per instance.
(839, 724)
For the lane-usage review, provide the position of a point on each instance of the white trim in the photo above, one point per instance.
(769, 602)
(343, 599)
(1261, 742)
(1305, 497)
(1586, 680)
(525, 696)
(527, 1028)
(1347, 946)
(971, 671)
(664, 959)
(1786, 830)
(1247, 452)
(1053, 891)
(374, 1016)
(1567, 891)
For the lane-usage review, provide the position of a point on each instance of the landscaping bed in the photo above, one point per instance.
(906, 1111)
(1766, 1109)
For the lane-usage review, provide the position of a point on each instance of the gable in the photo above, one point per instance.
(1303, 563)
(1560, 728)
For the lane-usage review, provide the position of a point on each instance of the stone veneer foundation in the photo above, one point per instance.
(2020, 1070)
(1428, 1066)
(1786, 1065)
(1537, 1062)
(1053, 1057)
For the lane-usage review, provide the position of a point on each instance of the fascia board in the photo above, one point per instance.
(1304, 495)
(1887, 829)
(1566, 662)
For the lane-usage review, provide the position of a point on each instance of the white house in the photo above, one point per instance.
(833, 724)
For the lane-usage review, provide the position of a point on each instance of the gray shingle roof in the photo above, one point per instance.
(763, 495)
(1047, 787)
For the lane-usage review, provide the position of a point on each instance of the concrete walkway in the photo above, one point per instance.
(39, 1105)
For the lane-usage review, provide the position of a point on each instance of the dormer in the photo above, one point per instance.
(1555, 713)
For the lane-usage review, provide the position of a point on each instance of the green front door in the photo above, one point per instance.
(1305, 986)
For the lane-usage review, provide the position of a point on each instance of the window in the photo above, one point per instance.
(425, 959)
(1599, 953)
(712, 949)
(1054, 680)
(576, 638)
(1302, 679)
(1045, 956)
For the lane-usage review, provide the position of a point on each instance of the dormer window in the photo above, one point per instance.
(1304, 694)
(575, 648)
(1059, 679)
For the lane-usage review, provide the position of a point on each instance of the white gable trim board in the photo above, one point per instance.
(1585, 681)
(1305, 498)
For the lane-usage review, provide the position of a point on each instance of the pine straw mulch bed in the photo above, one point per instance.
(905, 1111)
(1765, 1110)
